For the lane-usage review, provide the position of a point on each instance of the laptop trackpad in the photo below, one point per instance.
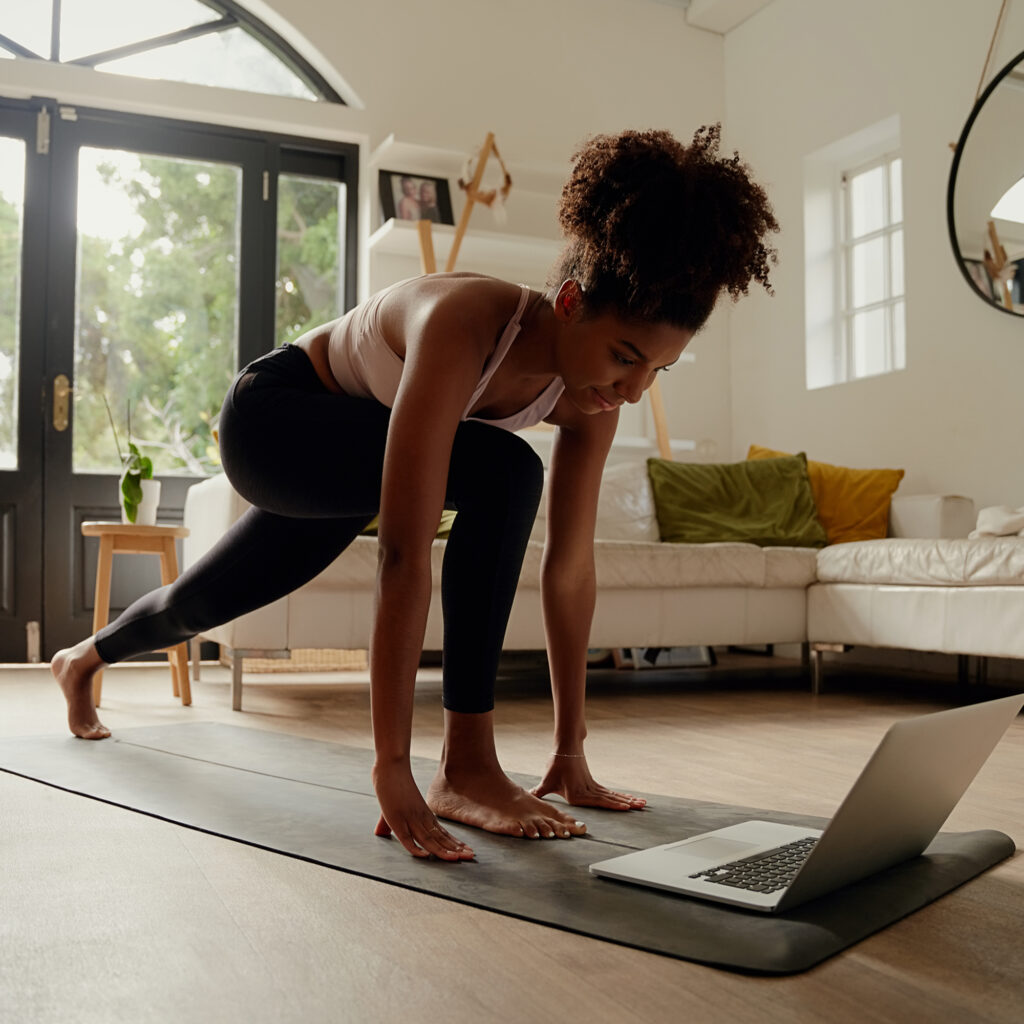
(715, 848)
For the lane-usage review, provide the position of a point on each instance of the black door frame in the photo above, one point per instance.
(44, 510)
(21, 489)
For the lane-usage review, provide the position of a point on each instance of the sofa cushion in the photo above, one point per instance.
(930, 515)
(988, 562)
(625, 505)
(641, 565)
(621, 564)
(766, 502)
(853, 504)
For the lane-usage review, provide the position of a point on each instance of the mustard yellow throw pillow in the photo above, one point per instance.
(853, 504)
(767, 502)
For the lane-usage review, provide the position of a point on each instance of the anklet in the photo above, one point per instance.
(555, 753)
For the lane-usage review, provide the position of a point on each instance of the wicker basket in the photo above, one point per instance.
(307, 659)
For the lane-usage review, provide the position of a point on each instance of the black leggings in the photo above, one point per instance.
(310, 463)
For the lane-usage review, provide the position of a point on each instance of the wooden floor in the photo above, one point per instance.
(111, 916)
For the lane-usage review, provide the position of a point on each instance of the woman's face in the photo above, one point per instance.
(606, 361)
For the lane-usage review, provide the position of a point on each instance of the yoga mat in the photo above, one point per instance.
(313, 800)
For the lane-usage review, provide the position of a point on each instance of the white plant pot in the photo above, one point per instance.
(145, 515)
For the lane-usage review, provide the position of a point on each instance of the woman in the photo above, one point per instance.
(429, 210)
(408, 205)
(407, 405)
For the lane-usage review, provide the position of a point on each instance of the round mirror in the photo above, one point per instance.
(985, 202)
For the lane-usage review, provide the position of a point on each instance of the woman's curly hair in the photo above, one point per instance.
(656, 230)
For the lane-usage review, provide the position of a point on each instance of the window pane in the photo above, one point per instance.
(896, 262)
(899, 337)
(867, 201)
(157, 307)
(896, 191)
(82, 33)
(232, 59)
(869, 272)
(870, 343)
(29, 25)
(310, 233)
(12, 205)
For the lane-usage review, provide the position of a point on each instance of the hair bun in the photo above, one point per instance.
(657, 229)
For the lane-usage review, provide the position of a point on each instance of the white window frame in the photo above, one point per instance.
(893, 303)
(827, 289)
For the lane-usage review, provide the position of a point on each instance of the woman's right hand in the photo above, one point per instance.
(405, 813)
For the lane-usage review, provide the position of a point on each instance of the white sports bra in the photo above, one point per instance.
(365, 366)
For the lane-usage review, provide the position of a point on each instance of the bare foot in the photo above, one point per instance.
(73, 668)
(493, 802)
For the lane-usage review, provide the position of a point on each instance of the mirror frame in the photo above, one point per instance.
(951, 189)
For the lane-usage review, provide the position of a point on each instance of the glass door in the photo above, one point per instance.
(154, 250)
(23, 191)
(142, 262)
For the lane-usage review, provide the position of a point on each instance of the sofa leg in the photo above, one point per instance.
(236, 680)
(982, 674)
(963, 669)
(815, 664)
(194, 651)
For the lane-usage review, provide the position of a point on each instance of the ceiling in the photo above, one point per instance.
(719, 16)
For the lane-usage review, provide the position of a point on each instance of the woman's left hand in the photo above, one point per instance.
(570, 778)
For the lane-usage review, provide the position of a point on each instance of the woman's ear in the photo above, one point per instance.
(568, 300)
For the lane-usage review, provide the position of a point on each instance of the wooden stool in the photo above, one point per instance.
(130, 539)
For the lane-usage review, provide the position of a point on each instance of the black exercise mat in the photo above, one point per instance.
(313, 800)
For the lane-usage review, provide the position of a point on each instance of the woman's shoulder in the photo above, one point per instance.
(458, 286)
(473, 301)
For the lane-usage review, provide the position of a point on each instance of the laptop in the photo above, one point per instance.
(903, 796)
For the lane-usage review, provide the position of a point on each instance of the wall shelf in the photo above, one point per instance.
(480, 249)
(393, 155)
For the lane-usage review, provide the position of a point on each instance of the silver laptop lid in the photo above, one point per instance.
(907, 790)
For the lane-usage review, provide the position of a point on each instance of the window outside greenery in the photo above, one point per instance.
(157, 298)
(157, 308)
(12, 192)
(310, 233)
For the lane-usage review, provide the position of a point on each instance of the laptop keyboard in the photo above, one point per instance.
(764, 872)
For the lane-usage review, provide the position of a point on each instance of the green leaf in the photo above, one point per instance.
(131, 489)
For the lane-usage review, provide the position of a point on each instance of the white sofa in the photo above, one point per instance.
(919, 590)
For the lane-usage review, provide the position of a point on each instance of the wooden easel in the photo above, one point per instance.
(995, 262)
(428, 262)
(660, 423)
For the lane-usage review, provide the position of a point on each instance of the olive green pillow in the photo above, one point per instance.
(768, 502)
(443, 529)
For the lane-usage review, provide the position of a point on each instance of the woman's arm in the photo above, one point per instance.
(447, 336)
(568, 594)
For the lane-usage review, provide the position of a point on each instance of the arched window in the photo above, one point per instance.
(203, 42)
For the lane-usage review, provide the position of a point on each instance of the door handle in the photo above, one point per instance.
(61, 401)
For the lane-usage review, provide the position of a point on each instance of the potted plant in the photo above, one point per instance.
(140, 493)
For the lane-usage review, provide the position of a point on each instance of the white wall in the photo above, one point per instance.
(541, 74)
(800, 75)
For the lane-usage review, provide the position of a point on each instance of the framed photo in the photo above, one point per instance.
(415, 197)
